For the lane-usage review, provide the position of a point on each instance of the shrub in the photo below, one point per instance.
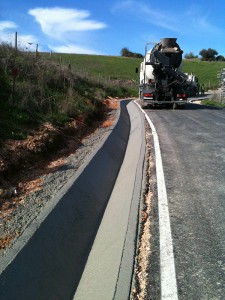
(208, 55)
(45, 90)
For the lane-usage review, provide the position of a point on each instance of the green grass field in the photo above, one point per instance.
(124, 68)
(205, 71)
(114, 67)
(55, 92)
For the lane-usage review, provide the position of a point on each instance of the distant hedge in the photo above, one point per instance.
(125, 52)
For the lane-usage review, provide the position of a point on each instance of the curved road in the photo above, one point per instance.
(192, 143)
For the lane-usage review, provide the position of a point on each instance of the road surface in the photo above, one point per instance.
(192, 143)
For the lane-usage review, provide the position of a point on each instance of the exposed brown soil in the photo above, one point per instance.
(22, 163)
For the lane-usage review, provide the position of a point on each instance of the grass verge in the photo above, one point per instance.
(213, 103)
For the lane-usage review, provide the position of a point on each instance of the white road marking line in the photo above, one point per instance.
(167, 264)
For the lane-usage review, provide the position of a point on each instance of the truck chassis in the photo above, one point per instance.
(149, 98)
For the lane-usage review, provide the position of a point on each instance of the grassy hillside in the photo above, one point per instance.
(59, 87)
(99, 66)
(205, 71)
(124, 68)
(60, 95)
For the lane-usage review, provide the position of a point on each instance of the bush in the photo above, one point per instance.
(50, 91)
(190, 55)
(220, 58)
(127, 53)
(208, 55)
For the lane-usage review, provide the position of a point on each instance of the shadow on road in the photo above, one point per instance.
(51, 263)
(193, 106)
(188, 106)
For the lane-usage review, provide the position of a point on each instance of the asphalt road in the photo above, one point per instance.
(192, 143)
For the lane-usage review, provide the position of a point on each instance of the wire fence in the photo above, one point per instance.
(17, 40)
(7, 36)
(221, 76)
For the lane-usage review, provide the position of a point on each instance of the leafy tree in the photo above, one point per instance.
(127, 53)
(208, 55)
(137, 55)
(190, 55)
(220, 58)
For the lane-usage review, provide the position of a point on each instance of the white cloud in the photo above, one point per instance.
(55, 22)
(7, 25)
(8, 29)
(72, 48)
(193, 10)
(64, 26)
(200, 20)
(192, 21)
(154, 16)
(28, 42)
(203, 24)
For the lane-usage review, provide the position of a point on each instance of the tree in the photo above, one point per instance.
(220, 58)
(190, 55)
(208, 55)
(137, 55)
(127, 53)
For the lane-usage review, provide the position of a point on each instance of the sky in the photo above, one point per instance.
(105, 27)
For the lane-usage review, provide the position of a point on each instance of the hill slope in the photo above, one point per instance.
(103, 67)
(65, 89)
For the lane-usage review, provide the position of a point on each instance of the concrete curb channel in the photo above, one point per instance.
(83, 245)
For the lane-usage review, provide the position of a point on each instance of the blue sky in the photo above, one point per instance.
(105, 27)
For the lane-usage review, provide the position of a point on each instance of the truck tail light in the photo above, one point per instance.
(148, 95)
(181, 95)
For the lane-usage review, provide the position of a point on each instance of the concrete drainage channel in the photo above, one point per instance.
(82, 246)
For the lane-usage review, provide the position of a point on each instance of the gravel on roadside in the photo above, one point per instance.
(17, 218)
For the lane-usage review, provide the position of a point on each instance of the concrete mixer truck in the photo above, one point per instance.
(161, 79)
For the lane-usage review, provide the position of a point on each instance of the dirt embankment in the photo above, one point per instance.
(24, 165)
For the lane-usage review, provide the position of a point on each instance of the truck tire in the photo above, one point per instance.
(182, 106)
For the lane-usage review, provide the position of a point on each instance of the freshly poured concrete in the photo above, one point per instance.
(89, 217)
(108, 272)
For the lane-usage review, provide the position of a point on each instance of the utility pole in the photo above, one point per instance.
(36, 55)
(16, 42)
